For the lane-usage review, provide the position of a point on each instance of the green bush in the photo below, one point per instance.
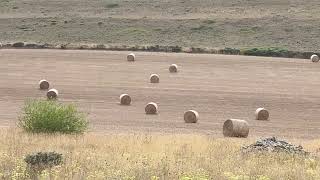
(43, 116)
(271, 51)
(232, 51)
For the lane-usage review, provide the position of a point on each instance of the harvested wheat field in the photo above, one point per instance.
(218, 87)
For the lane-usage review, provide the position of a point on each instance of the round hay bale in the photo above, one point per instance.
(44, 84)
(125, 99)
(314, 58)
(52, 94)
(191, 116)
(173, 68)
(154, 78)
(131, 57)
(235, 128)
(151, 108)
(262, 114)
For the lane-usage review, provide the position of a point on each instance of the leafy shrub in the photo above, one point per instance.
(100, 46)
(175, 48)
(42, 116)
(18, 44)
(272, 51)
(232, 51)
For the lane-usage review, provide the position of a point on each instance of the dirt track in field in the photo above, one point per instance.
(217, 86)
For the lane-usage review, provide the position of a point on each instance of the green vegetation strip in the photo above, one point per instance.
(261, 51)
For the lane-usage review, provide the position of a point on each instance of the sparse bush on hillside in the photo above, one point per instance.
(232, 51)
(209, 21)
(18, 44)
(272, 51)
(100, 46)
(42, 116)
(112, 5)
(267, 52)
(201, 28)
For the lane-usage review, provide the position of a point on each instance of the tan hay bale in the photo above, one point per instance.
(151, 108)
(262, 114)
(43, 84)
(191, 116)
(154, 78)
(131, 57)
(125, 99)
(314, 58)
(235, 128)
(52, 94)
(173, 68)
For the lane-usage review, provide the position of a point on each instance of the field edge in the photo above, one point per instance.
(264, 52)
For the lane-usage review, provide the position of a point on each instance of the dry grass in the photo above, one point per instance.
(98, 156)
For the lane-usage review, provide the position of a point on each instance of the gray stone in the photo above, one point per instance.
(273, 145)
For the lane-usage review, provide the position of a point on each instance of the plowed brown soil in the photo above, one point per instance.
(217, 86)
